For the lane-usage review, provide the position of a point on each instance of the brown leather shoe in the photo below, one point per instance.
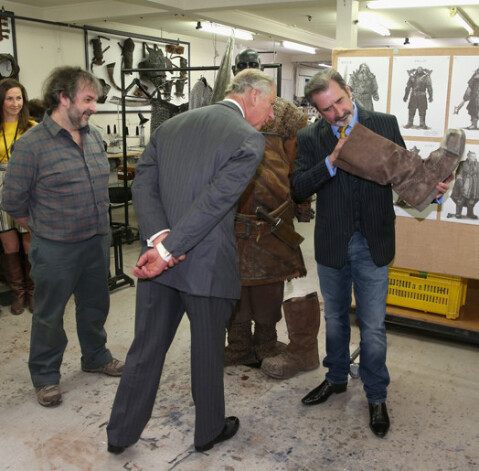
(112, 368)
(49, 395)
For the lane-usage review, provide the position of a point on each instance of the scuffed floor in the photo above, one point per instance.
(433, 405)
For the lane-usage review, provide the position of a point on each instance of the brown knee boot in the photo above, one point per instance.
(28, 282)
(265, 341)
(302, 317)
(14, 275)
(240, 345)
(373, 157)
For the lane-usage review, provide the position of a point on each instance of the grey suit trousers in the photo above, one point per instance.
(159, 311)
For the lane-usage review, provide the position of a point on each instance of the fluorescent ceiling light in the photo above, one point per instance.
(460, 18)
(385, 4)
(366, 22)
(474, 40)
(299, 47)
(417, 29)
(223, 30)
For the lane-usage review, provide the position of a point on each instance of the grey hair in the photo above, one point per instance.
(248, 79)
(320, 83)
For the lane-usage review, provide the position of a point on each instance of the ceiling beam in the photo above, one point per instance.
(195, 5)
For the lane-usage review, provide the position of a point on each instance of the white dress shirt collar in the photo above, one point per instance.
(236, 103)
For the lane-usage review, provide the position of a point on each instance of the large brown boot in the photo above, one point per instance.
(28, 282)
(14, 274)
(239, 350)
(265, 341)
(302, 315)
(373, 157)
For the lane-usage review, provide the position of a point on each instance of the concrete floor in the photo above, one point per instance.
(433, 405)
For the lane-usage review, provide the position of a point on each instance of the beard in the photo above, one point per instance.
(341, 120)
(77, 118)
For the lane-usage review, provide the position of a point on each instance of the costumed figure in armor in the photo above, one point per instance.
(471, 95)
(419, 91)
(265, 261)
(364, 87)
(466, 187)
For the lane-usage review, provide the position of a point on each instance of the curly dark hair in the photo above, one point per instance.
(67, 80)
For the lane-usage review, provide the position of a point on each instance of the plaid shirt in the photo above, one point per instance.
(62, 188)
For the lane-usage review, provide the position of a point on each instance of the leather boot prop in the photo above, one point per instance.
(14, 274)
(373, 157)
(265, 341)
(28, 282)
(239, 350)
(302, 315)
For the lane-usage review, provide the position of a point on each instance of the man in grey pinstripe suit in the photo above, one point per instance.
(186, 187)
(354, 241)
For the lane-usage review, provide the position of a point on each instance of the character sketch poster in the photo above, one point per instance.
(464, 97)
(461, 202)
(368, 78)
(419, 94)
(401, 208)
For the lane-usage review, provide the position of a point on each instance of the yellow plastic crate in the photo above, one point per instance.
(426, 292)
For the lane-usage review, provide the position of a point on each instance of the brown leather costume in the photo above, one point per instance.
(263, 258)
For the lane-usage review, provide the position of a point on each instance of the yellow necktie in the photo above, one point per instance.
(342, 131)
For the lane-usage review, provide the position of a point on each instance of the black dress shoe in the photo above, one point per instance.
(116, 449)
(379, 418)
(229, 430)
(322, 392)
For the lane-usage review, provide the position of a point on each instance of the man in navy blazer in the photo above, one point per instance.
(354, 240)
(185, 191)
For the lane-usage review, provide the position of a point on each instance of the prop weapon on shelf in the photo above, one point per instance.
(129, 101)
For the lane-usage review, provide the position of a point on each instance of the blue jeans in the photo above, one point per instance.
(370, 284)
(60, 269)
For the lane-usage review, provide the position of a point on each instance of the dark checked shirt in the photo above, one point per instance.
(60, 187)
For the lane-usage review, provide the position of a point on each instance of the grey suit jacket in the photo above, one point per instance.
(344, 200)
(189, 180)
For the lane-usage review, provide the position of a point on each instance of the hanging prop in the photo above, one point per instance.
(161, 110)
(8, 66)
(127, 49)
(4, 31)
(98, 51)
(110, 69)
(224, 73)
(104, 93)
(154, 60)
(201, 94)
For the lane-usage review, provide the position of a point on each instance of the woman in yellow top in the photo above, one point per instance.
(14, 121)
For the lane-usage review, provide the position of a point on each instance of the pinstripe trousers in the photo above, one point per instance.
(159, 310)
